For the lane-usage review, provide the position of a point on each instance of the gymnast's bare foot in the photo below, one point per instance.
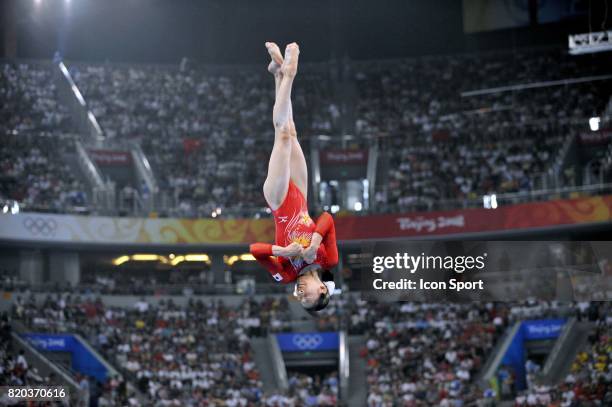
(277, 58)
(290, 64)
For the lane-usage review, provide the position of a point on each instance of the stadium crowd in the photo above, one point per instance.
(207, 135)
(36, 135)
(306, 390)
(174, 355)
(29, 100)
(162, 282)
(589, 382)
(15, 370)
(206, 131)
(443, 146)
(429, 353)
(416, 353)
(34, 175)
(417, 95)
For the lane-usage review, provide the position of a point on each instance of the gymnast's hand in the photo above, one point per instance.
(293, 250)
(310, 253)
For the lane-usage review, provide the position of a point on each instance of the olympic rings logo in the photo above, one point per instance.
(40, 226)
(307, 341)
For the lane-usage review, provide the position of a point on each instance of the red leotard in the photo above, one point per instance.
(294, 225)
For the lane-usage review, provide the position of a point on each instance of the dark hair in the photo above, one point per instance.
(323, 301)
(319, 305)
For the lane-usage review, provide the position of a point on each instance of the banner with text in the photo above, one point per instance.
(53, 228)
(512, 217)
(338, 164)
(83, 360)
(529, 330)
(110, 157)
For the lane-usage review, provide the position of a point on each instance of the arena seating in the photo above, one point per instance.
(207, 135)
(590, 379)
(442, 146)
(15, 370)
(415, 352)
(430, 353)
(305, 390)
(35, 130)
(207, 130)
(434, 364)
(424, 94)
(171, 353)
(29, 100)
(168, 282)
(35, 175)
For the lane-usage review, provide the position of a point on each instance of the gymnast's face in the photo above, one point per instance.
(309, 288)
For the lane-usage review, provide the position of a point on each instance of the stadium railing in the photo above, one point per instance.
(501, 199)
(144, 289)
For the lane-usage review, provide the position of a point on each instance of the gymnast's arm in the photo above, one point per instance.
(325, 233)
(265, 254)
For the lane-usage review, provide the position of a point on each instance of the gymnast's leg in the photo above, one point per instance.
(299, 170)
(298, 167)
(279, 168)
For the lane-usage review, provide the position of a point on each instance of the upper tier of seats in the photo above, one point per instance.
(207, 131)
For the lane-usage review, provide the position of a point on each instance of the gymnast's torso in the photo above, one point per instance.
(293, 223)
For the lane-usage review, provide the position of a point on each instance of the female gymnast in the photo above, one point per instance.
(305, 251)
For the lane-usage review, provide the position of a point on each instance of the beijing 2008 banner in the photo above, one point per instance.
(39, 227)
(511, 217)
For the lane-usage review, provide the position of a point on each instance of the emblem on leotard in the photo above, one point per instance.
(283, 219)
(302, 238)
(305, 219)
